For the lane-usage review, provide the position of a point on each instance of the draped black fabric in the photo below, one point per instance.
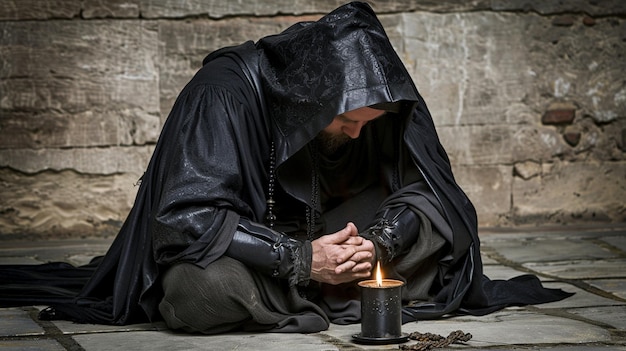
(210, 167)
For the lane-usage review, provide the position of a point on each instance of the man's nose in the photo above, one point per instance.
(353, 130)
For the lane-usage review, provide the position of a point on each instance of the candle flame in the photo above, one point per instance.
(379, 275)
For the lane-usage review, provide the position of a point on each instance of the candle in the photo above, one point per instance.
(381, 311)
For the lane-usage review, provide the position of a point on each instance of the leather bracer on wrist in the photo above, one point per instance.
(271, 252)
(394, 232)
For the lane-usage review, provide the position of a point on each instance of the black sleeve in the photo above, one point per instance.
(271, 252)
(393, 232)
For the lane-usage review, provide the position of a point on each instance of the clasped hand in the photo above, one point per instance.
(342, 257)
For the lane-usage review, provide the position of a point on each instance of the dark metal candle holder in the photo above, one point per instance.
(381, 312)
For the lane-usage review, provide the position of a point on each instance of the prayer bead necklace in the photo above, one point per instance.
(270, 217)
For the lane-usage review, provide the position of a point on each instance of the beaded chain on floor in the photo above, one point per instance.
(428, 341)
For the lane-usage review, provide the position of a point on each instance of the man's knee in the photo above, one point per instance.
(201, 300)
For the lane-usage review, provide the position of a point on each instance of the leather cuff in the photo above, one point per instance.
(394, 232)
(271, 252)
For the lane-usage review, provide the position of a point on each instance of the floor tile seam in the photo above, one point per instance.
(599, 228)
(608, 246)
(574, 260)
(583, 285)
(501, 260)
(341, 344)
(51, 331)
(563, 312)
(525, 238)
(579, 283)
(547, 346)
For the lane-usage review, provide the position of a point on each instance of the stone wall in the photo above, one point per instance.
(529, 98)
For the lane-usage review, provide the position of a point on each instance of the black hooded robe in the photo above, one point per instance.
(211, 163)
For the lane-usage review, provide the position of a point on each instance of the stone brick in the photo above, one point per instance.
(529, 142)
(102, 161)
(564, 20)
(12, 10)
(489, 189)
(465, 66)
(572, 138)
(578, 64)
(89, 128)
(597, 142)
(478, 145)
(96, 64)
(185, 44)
(605, 7)
(77, 91)
(111, 8)
(54, 130)
(572, 192)
(558, 116)
(58, 204)
(220, 9)
(527, 169)
(589, 21)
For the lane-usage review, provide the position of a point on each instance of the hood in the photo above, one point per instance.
(314, 71)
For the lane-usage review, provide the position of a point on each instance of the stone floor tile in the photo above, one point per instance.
(19, 260)
(549, 249)
(499, 234)
(17, 322)
(619, 241)
(495, 272)
(67, 327)
(31, 345)
(616, 287)
(586, 347)
(614, 316)
(581, 298)
(55, 243)
(342, 335)
(581, 269)
(79, 260)
(164, 340)
(486, 259)
(54, 250)
(518, 328)
(77, 328)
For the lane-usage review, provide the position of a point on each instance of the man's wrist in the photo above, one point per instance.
(302, 257)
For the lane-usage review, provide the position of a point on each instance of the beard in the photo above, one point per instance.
(329, 143)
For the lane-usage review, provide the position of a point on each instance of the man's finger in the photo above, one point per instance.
(345, 267)
(346, 254)
(354, 240)
(364, 267)
(361, 256)
(343, 235)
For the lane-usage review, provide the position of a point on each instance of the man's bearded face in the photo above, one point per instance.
(345, 127)
(329, 143)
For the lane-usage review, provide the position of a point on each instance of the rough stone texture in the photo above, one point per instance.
(559, 116)
(491, 186)
(57, 204)
(15, 322)
(186, 43)
(488, 97)
(101, 161)
(14, 10)
(85, 87)
(111, 8)
(568, 192)
(527, 169)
